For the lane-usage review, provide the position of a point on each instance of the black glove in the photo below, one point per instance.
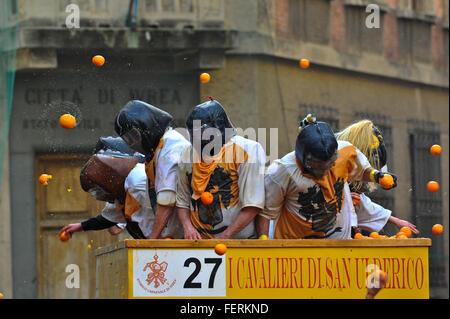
(379, 175)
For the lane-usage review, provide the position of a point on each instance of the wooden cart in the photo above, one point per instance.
(263, 269)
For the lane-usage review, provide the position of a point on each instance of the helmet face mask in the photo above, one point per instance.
(316, 148)
(133, 139)
(317, 167)
(100, 194)
(209, 128)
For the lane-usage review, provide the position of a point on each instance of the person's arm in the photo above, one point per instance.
(245, 216)
(162, 216)
(183, 204)
(94, 223)
(262, 225)
(399, 223)
(189, 231)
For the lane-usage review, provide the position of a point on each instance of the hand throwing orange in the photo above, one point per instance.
(436, 149)
(437, 229)
(220, 249)
(64, 236)
(407, 231)
(207, 198)
(98, 60)
(67, 121)
(433, 186)
(387, 181)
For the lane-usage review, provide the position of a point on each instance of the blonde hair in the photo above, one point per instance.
(361, 135)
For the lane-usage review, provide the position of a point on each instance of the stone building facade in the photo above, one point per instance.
(396, 75)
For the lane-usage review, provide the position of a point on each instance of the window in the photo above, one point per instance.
(309, 20)
(426, 206)
(326, 114)
(358, 36)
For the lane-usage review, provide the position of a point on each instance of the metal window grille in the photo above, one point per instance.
(323, 113)
(427, 206)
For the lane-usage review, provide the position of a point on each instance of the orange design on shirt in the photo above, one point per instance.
(131, 205)
(230, 157)
(150, 166)
(291, 226)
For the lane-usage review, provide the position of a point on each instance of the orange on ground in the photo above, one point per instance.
(207, 198)
(220, 249)
(64, 236)
(43, 179)
(67, 121)
(435, 149)
(359, 236)
(437, 229)
(374, 235)
(167, 238)
(263, 237)
(387, 181)
(98, 60)
(304, 63)
(407, 231)
(402, 237)
(205, 77)
(433, 186)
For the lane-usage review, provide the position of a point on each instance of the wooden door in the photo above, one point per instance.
(59, 203)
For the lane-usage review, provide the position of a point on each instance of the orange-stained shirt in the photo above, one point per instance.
(304, 207)
(235, 181)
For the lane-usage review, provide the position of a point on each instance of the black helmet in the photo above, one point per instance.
(212, 115)
(148, 120)
(316, 139)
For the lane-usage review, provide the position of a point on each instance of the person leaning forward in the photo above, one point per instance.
(228, 166)
(147, 130)
(307, 193)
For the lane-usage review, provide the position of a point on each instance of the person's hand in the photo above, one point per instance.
(71, 228)
(373, 291)
(399, 223)
(191, 233)
(378, 176)
(115, 230)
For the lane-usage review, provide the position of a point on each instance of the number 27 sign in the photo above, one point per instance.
(177, 273)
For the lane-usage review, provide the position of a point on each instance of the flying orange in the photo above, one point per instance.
(205, 77)
(304, 63)
(43, 179)
(67, 121)
(436, 149)
(220, 249)
(433, 186)
(207, 198)
(437, 229)
(98, 60)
